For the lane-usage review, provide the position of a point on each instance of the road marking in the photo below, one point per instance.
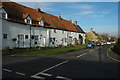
(42, 72)
(81, 55)
(7, 70)
(91, 51)
(64, 78)
(20, 73)
(112, 58)
(38, 77)
(55, 66)
(45, 74)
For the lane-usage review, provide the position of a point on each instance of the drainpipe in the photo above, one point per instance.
(30, 36)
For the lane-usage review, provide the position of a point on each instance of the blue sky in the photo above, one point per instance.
(101, 16)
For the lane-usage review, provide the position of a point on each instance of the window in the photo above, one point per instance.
(5, 36)
(3, 15)
(28, 21)
(50, 39)
(62, 31)
(54, 30)
(26, 36)
(32, 37)
(36, 37)
(53, 39)
(41, 23)
(65, 39)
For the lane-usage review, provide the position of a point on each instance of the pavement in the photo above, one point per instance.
(79, 64)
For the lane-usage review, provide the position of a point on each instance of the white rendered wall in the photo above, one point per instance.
(13, 30)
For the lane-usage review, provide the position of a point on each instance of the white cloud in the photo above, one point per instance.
(82, 7)
(86, 12)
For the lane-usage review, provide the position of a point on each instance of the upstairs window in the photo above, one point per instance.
(54, 30)
(28, 20)
(62, 31)
(41, 23)
(3, 15)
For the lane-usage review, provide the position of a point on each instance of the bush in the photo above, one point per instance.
(14, 39)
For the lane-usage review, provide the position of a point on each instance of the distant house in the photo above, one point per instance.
(93, 36)
(24, 27)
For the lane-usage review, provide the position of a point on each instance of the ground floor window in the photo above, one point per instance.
(26, 36)
(5, 36)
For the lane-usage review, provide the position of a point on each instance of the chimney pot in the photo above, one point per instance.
(91, 29)
(75, 22)
(38, 9)
(59, 16)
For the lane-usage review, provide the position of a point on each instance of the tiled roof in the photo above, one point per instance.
(96, 34)
(18, 13)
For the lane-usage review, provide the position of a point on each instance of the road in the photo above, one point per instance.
(86, 63)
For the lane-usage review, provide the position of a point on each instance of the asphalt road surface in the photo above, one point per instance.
(86, 63)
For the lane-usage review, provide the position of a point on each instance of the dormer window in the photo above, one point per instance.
(28, 20)
(41, 22)
(3, 13)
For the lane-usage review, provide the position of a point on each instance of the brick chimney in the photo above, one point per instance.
(75, 22)
(70, 21)
(38, 9)
(91, 29)
(59, 16)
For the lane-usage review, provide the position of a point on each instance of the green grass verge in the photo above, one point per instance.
(51, 51)
(113, 54)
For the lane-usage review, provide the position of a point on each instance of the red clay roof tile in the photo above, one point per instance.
(19, 12)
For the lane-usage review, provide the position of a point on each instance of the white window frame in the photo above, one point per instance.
(28, 19)
(2, 11)
(41, 22)
(5, 36)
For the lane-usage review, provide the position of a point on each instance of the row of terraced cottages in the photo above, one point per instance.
(24, 27)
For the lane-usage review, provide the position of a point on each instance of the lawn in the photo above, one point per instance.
(113, 54)
(51, 51)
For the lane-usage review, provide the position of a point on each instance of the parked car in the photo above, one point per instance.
(90, 44)
(108, 42)
(104, 43)
(101, 43)
(98, 43)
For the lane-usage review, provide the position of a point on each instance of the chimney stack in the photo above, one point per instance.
(59, 16)
(91, 29)
(75, 22)
(70, 21)
(38, 9)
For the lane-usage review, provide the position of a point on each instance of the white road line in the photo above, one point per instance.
(55, 66)
(7, 70)
(81, 55)
(64, 78)
(45, 74)
(91, 51)
(20, 73)
(112, 58)
(38, 77)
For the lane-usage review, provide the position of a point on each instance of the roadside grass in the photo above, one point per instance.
(50, 51)
(113, 54)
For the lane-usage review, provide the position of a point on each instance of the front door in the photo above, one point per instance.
(80, 39)
(21, 41)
